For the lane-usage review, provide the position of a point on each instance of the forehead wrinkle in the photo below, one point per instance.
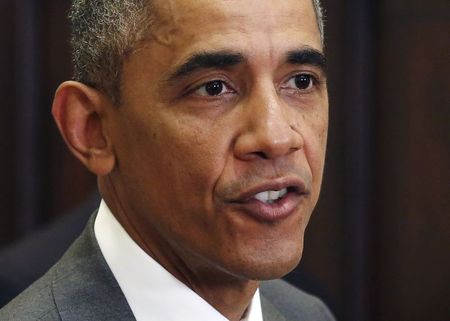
(168, 22)
(170, 33)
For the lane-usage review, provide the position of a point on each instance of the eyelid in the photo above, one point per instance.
(225, 84)
(316, 80)
(205, 80)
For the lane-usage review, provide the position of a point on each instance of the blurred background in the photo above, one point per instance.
(378, 246)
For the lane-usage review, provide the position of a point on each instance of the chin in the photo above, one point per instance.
(268, 265)
(273, 272)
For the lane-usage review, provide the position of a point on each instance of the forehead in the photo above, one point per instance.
(263, 32)
(176, 9)
(224, 22)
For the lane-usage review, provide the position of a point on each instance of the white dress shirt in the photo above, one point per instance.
(152, 293)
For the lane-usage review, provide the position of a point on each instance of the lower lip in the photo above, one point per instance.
(271, 212)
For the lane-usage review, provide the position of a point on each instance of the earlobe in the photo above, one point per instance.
(78, 111)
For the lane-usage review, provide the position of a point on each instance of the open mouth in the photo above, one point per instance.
(271, 192)
(272, 204)
(271, 201)
(273, 196)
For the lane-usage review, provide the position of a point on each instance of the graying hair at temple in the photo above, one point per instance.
(105, 32)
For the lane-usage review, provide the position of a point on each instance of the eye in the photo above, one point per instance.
(301, 82)
(213, 88)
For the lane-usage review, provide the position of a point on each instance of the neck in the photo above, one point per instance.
(230, 295)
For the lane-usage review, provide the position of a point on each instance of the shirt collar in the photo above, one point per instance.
(152, 293)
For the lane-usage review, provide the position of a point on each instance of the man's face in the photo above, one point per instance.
(225, 102)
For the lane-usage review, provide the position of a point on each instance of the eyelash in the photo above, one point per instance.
(314, 82)
(213, 82)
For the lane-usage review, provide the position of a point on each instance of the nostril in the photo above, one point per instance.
(263, 142)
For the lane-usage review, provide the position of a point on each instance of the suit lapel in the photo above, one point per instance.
(84, 287)
(270, 312)
(82, 276)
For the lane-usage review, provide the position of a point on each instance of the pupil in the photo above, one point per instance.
(214, 88)
(302, 81)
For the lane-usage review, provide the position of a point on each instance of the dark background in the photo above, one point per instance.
(378, 246)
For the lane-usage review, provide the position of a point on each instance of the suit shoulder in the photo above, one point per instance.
(36, 303)
(294, 303)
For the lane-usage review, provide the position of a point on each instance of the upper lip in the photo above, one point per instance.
(293, 184)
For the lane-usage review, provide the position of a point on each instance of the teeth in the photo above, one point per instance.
(282, 192)
(263, 196)
(269, 197)
(273, 195)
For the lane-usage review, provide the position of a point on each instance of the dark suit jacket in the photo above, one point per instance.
(82, 287)
(27, 259)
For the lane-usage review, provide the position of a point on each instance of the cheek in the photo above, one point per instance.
(318, 121)
(193, 151)
(315, 137)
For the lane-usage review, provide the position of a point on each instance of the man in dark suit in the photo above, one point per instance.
(26, 260)
(206, 123)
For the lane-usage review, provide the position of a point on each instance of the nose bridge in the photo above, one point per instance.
(268, 113)
(269, 132)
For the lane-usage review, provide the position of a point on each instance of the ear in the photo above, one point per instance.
(79, 113)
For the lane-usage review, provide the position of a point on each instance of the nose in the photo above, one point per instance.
(270, 129)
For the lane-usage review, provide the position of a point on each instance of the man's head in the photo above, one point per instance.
(106, 32)
(213, 161)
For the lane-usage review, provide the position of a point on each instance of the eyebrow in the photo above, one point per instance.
(224, 59)
(206, 60)
(307, 56)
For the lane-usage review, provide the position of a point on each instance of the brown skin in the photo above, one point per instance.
(171, 156)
